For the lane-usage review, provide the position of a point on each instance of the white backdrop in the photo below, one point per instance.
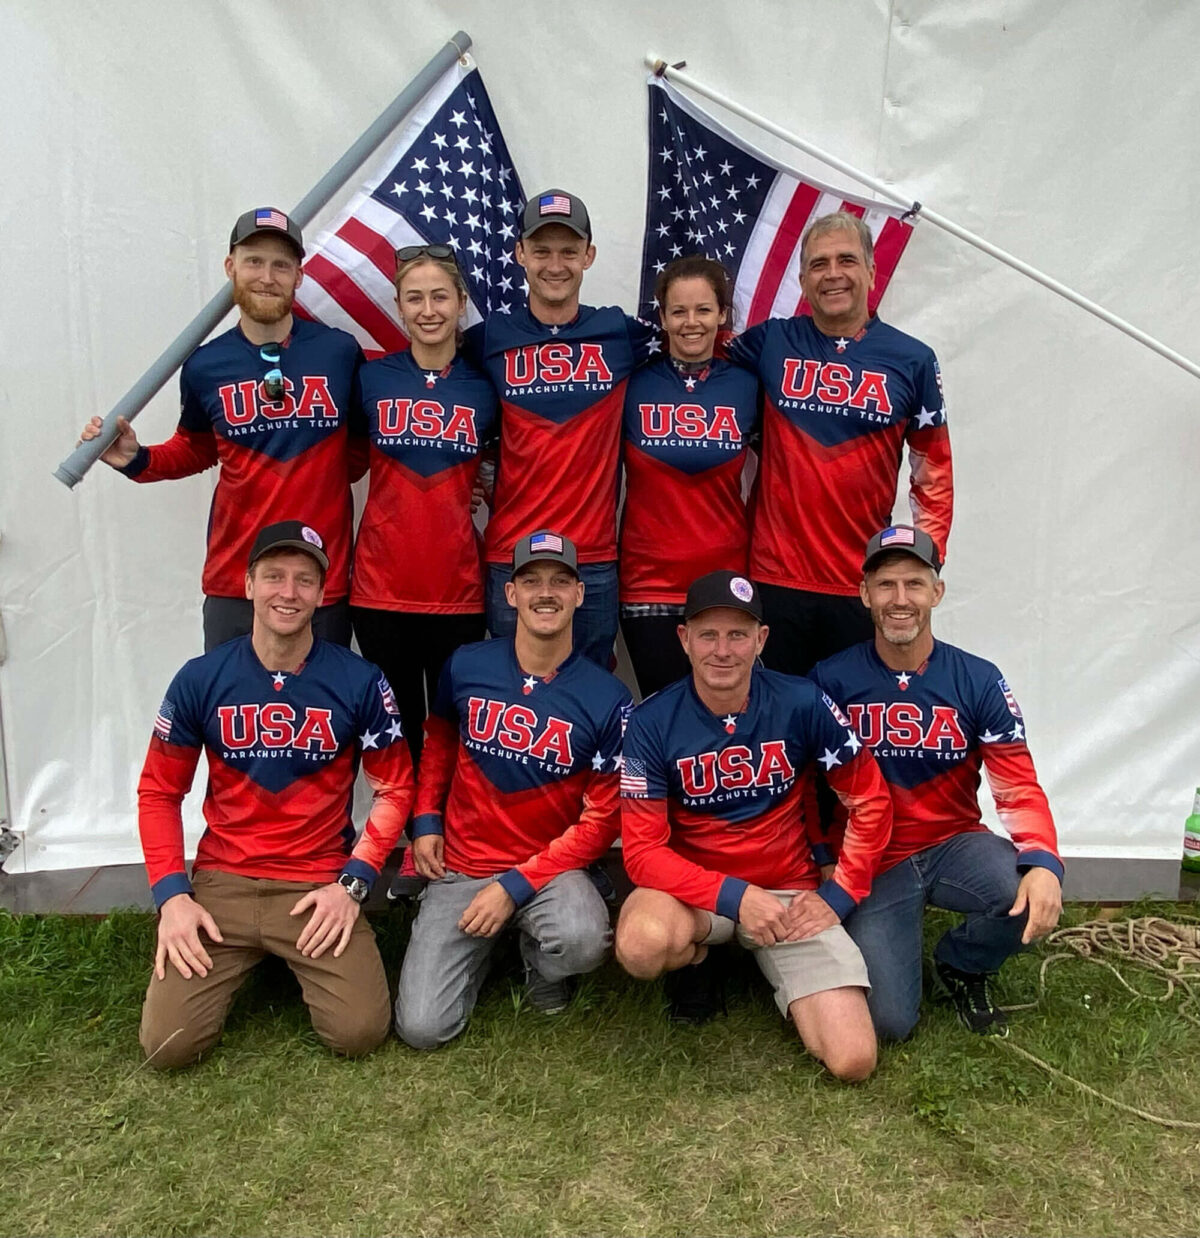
(1067, 133)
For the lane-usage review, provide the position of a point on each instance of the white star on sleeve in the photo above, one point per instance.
(370, 739)
(395, 730)
(926, 418)
(829, 760)
(597, 762)
(989, 738)
(1018, 731)
(852, 742)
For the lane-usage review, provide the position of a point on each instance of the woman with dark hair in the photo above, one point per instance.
(417, 588)
(689, 421)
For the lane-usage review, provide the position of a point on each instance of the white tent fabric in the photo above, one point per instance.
(1065, 133)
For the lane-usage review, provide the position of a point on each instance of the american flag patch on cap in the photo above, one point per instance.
(550, 542)
(269, 217)
(900, 536)
(162, 720)
(554, 204)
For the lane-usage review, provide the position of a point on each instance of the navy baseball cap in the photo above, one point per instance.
(722, 589)
(267, 221)
(905, 538)
(545, 544)
(556, 206)
(290, 535)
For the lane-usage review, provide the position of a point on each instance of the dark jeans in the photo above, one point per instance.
(974, 873)
(806, 627)
(411, 650)
(595, 627)
(655, 653)
(225, 618)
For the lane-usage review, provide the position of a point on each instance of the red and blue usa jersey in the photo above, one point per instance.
(561, 389)
(417, 548)
(518, 772)
(837, 414)
(685, 443)
(930, 731)
(283, 749)
(712, 804)
(280, 460)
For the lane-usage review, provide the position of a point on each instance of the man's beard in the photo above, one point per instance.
(262, 309)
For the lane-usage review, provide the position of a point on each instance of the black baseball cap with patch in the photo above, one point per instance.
(545, 544)
(267, 221)
(907, 540)
(722, 589)
(556, 206)
(290, 535)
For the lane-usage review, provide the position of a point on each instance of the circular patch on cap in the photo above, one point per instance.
(312, 537)
(741, 589)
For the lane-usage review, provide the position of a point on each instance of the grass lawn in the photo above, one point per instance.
(605, 1120)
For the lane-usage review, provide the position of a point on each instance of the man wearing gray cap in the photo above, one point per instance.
(517, 796)
(560, 369)
(935, 715)
(268, 401)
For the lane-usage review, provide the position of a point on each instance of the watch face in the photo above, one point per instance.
(356, 887)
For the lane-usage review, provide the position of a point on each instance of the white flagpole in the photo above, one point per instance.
(72, 470)
(917, 210)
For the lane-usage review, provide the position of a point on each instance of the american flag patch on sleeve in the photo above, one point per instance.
(389, 698)
(633, 777)
(1009, 699)
(833, 708)
(162, 720)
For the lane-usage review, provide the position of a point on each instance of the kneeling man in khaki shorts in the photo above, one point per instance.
(715, 774)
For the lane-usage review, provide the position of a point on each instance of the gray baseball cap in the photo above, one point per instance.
(905, 538)
(556, 206)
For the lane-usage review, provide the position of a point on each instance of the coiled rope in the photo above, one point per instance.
(1166, 949)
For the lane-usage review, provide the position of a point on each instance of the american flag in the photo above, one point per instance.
(711, 193)
(1009, 699)
(554, 204)
(447, 179)
(163, 719)
(633, 777)
(547, 542)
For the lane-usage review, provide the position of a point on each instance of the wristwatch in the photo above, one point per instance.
(356, 887)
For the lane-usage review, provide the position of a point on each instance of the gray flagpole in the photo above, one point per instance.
(72, 470)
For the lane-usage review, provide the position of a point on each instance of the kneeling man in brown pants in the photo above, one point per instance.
(284, 719)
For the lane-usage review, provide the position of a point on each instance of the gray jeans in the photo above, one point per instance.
(565, 931)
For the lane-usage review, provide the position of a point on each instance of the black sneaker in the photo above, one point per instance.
(972, 999)
(695, 994)
(546, 996)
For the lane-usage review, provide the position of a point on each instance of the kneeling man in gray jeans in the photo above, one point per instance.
(517, 795)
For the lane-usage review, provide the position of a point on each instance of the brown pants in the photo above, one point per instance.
(347, 997)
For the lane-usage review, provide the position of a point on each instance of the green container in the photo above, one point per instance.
(1191, 838)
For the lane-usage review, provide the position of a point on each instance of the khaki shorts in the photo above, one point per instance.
(830, 960)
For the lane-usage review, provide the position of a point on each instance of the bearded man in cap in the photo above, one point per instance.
(267, 401)
(935, 715)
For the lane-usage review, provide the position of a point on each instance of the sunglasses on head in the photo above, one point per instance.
(408, 252)
(272, 382)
